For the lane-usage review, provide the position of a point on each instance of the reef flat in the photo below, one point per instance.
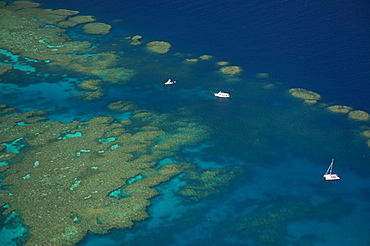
(68, 179)
(41, 34)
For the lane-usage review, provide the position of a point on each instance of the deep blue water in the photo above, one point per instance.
(283, 145)
(320, 46)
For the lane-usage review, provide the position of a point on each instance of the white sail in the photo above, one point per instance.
(330, 168)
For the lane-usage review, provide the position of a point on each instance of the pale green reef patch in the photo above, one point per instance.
(69, 164)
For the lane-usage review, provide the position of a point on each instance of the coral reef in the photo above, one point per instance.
(202, 184)
(359, 115)
(90, 85)
(5, 68)
(222, 63)
(339, 109)
(205, 57)
(231, 70)
(159, 47)
(94, 85)
(75, 20)
(308, 96)
(90, 96)
(62, 180)
(97, 65)
(136, 37)
(268, 226)
(191, 60)
(135, 40)
(122, 106)
(97, 28)
(262, 75)
(268, 86)
(37, 33)
(366, 133)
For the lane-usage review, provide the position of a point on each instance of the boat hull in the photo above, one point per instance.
(331, 176)
(222, 95)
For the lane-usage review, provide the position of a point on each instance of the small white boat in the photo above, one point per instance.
(329, 175)
(222, 94)
(170, 82)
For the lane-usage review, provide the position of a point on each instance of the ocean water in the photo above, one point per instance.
(282, 145)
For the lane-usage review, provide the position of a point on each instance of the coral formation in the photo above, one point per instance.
(359, 115)
(90, 85)
(191, 60)
(159, 47)
(90, 96)
(5, 68)
(231, 70)
(97, 28)
(122, 106)
(366, 133)
(307, 96)
(62, 181)
(339, 109)
(136, 37)
(75, 20)
(205, 57)
(268, 86)
(135, 40)
(262, 75)
(222, 63)
(98, 65)
(202, 184)
(94, 85)
(36, 33)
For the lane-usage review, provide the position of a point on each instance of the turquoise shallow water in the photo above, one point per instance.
(283, 145)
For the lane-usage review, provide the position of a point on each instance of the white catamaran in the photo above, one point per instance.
(170, 82)
(329, 175)
(222, 94)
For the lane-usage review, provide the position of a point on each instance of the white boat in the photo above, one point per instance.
(329, 175)
(170, 82)
(222, 94)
